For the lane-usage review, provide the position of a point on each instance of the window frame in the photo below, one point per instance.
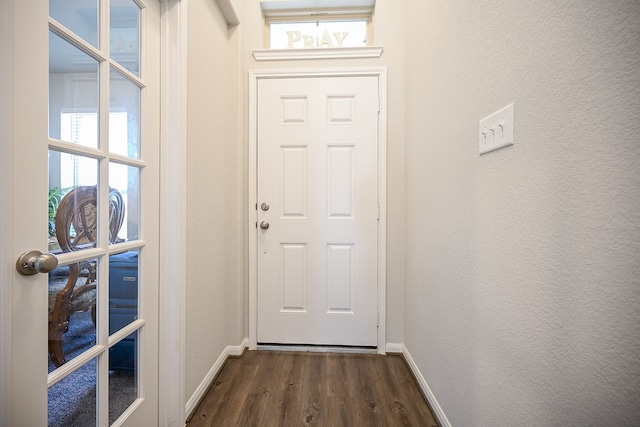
(311, 15)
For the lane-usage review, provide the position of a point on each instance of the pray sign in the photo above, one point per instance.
(298, 40)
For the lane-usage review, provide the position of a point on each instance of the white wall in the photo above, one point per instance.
(523, 265)
(389, 34)
(216, 194)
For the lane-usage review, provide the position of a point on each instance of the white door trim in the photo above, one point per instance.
(172, 275)
(254, 77)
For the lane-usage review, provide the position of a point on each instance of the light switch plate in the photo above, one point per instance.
(496, 130)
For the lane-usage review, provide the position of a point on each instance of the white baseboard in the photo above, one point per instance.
(393, 347)
(231, 350)
(422, 383)
(237, 350)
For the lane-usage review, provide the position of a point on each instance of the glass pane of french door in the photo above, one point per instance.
(97, 164)
(79, 17)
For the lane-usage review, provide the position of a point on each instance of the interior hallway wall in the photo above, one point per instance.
(388, 32)
(216, 194)
(523, 265)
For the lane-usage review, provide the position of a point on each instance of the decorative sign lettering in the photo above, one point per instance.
(298, 40)
(322, 34)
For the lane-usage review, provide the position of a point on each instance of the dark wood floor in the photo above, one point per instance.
(277, 388)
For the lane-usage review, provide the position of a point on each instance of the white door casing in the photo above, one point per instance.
(23, 366)
(329, 151)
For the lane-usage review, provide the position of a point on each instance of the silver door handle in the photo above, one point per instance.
(34, 262)
(264, 225)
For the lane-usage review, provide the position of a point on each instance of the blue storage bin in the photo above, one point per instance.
(123, 278)
(123, 307)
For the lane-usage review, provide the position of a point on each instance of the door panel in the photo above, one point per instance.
(317, 170)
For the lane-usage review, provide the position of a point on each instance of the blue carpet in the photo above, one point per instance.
(72, 401)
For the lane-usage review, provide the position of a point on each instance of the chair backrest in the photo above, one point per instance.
(77, 218)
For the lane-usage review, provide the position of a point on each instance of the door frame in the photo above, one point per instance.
(252, 232)
(173, 192)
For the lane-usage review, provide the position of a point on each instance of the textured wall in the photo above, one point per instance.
(215, 193)
(523, 265)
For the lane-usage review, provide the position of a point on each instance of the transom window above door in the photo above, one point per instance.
(310, 24)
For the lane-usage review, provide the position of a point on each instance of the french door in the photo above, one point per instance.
(80, 141)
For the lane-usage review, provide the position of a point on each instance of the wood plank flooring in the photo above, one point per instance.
(279, 388)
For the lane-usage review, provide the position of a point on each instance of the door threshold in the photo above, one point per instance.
(318, 348)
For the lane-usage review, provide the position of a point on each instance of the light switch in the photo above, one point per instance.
(496, 130)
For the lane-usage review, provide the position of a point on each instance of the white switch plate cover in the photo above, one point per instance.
(496, 130)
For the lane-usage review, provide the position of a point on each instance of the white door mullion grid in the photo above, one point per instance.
(81, 44)
(102, 331)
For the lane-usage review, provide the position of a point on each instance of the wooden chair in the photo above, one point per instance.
(76, 228)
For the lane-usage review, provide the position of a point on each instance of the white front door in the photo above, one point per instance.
(317, 211)
(79, 109)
